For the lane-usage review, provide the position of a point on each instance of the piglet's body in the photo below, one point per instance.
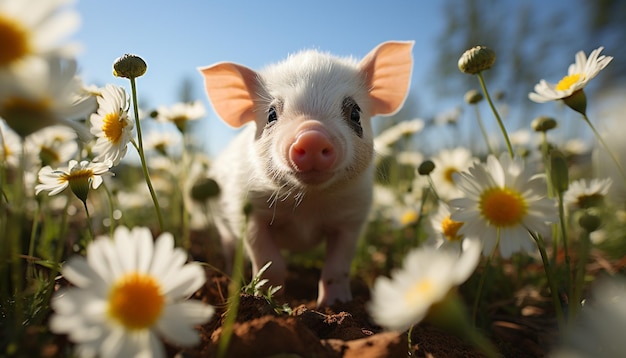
(305, 166)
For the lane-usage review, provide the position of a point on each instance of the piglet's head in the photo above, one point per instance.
(312, 111)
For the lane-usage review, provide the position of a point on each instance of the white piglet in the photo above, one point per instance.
(306, 165)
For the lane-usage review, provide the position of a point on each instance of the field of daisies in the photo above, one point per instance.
(95, 248)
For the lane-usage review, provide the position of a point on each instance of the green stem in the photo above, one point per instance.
(496, 114)
(183, 179)
(483, 130)
(450, 315)
(89, 223)
(550, 277)
(580, 274)
(142, 157)
(15, 239)
(606, 147)
(111, 210)
(410, 341)
(564, 240)
(545, 153)
(432, 187)
(481, 283)
(31, 243)
(58, 255)
(234, 296)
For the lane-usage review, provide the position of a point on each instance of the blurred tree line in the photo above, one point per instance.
(532, 40)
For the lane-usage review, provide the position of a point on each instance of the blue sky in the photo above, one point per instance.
(176, 37)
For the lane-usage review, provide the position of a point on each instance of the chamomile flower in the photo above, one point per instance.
(181, 113)
(387, 138)
(53, 145)
(32, 29)
(598, 329)
(443, 231)
(129, 292)
(78, 176)
(578, 75)
(111, 125)
(504, 200)
(48, 94)
(10, 146)
(161, 141)
(585, 194)
(426, 278)
(447, 162)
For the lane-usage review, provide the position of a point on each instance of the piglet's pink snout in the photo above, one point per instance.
(312, 150)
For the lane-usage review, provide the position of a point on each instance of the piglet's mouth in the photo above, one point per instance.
(313, 177)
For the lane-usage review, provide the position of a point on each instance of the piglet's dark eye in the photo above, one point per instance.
(272, 116)
(352, 115)
(355, 114)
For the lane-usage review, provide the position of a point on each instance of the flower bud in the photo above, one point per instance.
(426, 167)
(473, 97)
(558, 171)
(543, 124)
(476, 60)
(589, 222)
(129, 66)
(204, 189)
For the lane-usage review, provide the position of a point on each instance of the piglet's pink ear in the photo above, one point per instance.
(231, 89)
(388, 71)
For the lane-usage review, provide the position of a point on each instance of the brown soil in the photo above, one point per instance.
(345, 330)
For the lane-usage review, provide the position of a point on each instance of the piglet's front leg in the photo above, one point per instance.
(262, 249)
(334, 284)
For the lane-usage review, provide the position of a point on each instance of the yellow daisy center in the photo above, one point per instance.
(421, 290)
(76, 175)
(409, 217)
(180, 122)
(567, 82)
(450, 228)
(14, 39)
(503, 207)
(26, 116)
(48, 155)
(136, 301)
(7, 152)
(113, 127)
(448, 174)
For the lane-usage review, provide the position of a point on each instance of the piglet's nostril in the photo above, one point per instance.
(312, 150)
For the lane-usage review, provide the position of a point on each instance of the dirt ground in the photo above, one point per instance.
(345, 330)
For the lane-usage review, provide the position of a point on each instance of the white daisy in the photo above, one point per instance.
(31, 29)
(384, 141)
(598, 330)
(48, 93)
(111, 125)
(410, 158)
(443, 231)
(10, 146)
(161, 141)
(503, 201)
(53, 145)
(448, 117)
(78, 176)
(578, 74)
(447, 162)
(585, 194)
(128, 292)
(425, 279)
(180, 113)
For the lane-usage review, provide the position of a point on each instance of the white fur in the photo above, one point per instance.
(307, 89)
